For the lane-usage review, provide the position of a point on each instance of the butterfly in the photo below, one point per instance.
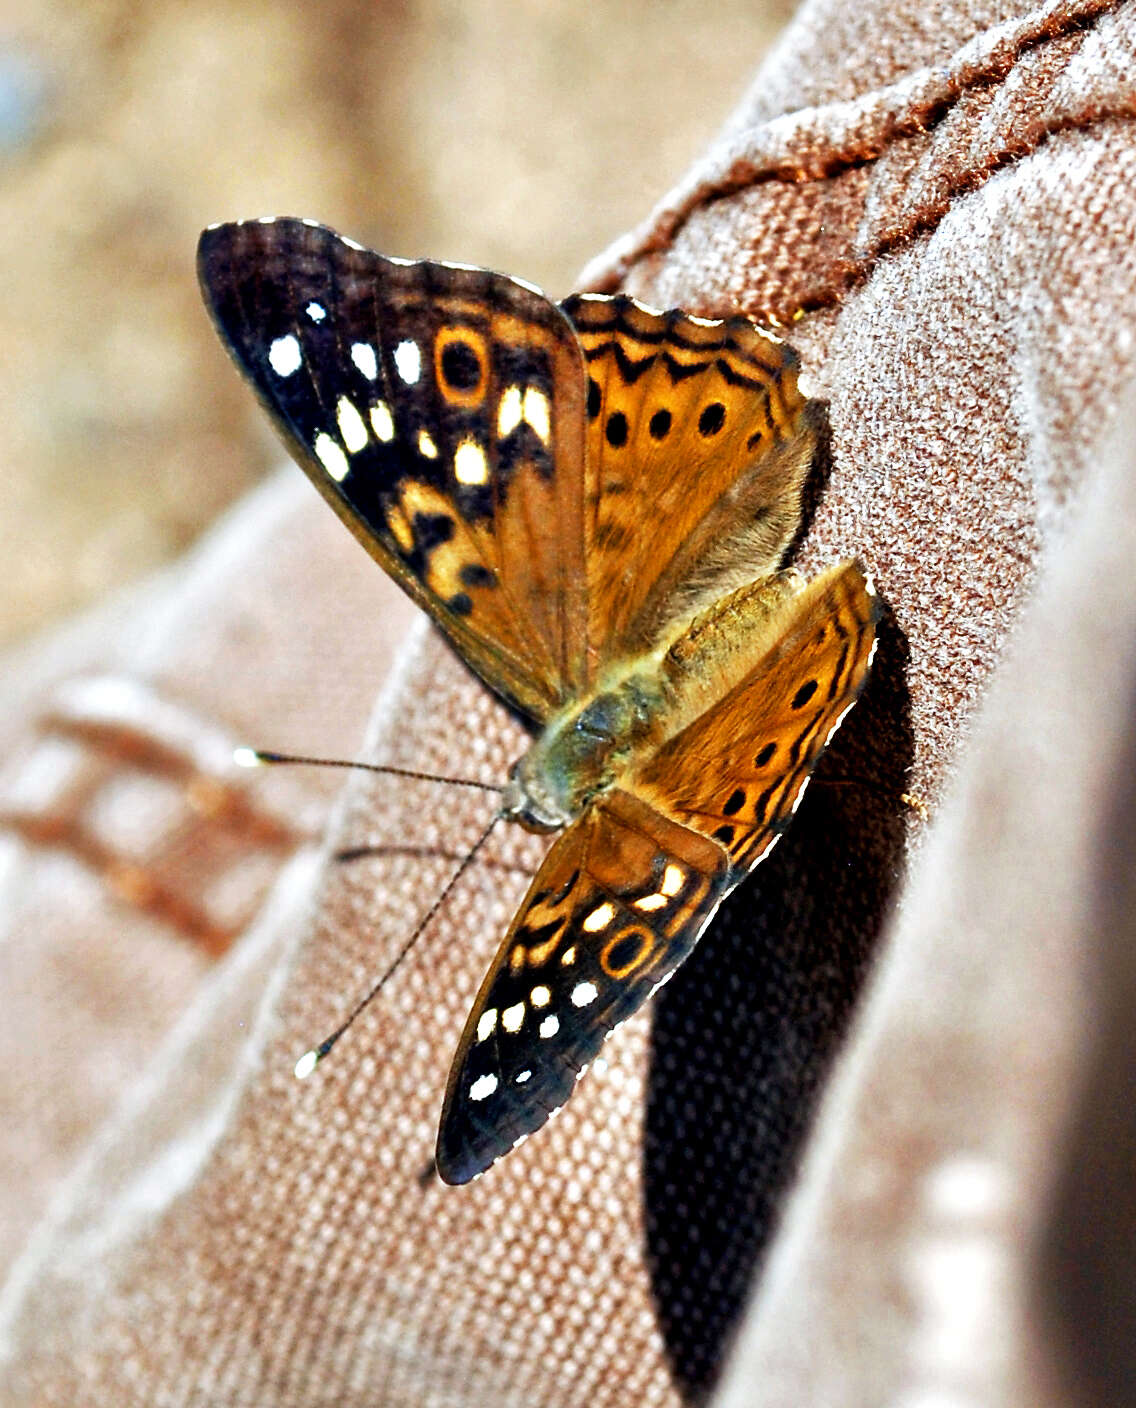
(592, 500)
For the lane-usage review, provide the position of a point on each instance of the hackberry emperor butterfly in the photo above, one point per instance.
(592, 501)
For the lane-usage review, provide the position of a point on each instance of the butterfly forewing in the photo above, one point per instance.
(737, 772)
(617, 905)
(699, 441)
(439, 410)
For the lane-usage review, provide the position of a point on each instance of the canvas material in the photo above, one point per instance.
(951, 210)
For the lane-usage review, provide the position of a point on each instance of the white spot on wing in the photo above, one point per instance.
(651, 902)
(351, 425)
(426, 445)
(509, 412)
(486, 1024)
(331, 456)
(599, 918)
(513, 1018)
(483, 1086)
(568, 957)
(316, 311)
(353, 244)
(382, 422)
(408, 361)
(584, 993)
(537, 412)
(522, 1076)
(284, 356)
(550, 1026)
(470, 464)
(540, 996)
(672, 881)
(363, 355)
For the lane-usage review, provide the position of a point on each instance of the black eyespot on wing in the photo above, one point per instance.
(725, 834)
(625, 951)
(431, 530)
(660, 424)
(594, 398)
(474, 574)
(616, 430)
(764, 755)
(804, 694)
(461, 604)
(461, 366)
(712, 419)
(734, 802)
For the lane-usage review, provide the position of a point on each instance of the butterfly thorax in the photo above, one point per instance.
(584, 748)
(592, 742)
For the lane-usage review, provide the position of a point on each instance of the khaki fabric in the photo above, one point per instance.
(945, 197)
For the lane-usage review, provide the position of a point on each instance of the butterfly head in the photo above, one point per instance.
(536, 809)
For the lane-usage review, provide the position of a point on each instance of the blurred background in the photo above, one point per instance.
(520, 134)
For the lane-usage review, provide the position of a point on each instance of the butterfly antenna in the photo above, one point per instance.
(311, 1059)
(260, 757)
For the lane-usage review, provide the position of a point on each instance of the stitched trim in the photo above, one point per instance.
(105, 739)
(913, 109)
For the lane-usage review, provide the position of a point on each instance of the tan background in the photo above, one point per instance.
(520, 135)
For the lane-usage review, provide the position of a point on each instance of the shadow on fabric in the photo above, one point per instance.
(746, 1031)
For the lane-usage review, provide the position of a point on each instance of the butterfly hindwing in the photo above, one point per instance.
(699, 441)
(439, 409)
(619, 902)
(738, 771)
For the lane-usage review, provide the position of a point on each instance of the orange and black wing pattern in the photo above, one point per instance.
(439, 410)
(737, 772)
(698, 444)
(619, 902)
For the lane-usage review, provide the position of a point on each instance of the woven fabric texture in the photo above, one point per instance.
(941, 203)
